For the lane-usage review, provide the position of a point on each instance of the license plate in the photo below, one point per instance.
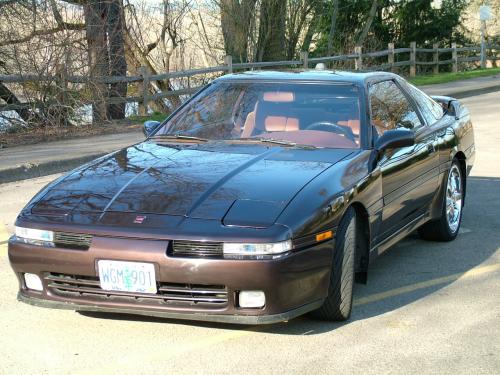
(127, 276)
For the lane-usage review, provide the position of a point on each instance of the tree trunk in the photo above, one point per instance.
(271, 43)
(117, 61)
(95, 20)
(333, 25)
(368, 24)
(236, 16)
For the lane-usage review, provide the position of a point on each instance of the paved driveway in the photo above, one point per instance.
(428, 308)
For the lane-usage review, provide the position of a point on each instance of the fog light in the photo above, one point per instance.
(32, 281)
(252, 298)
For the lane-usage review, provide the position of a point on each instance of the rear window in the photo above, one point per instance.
(321, 115)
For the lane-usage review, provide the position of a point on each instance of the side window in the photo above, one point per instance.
(431, 110)
(390, 109)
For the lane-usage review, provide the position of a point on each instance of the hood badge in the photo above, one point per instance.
(139, 219)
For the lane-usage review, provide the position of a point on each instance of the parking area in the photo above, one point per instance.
(427, 308)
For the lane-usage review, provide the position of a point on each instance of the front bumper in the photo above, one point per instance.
(293, 284)
(219, 318)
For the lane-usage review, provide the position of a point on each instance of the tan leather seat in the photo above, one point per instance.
(281, 124)
(270, 111)
(249, 125)
(355, 125)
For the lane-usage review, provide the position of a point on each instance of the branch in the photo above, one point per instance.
(8, 2)
(56, 13)
(61, 26)
(43, 32)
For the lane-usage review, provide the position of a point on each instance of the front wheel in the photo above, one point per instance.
(447, 226)
(338, 303)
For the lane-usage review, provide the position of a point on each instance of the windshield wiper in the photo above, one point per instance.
(180, 136)
(274, 141)
(278, 141)
(268, 140)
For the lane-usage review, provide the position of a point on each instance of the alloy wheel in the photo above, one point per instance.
(454, 198)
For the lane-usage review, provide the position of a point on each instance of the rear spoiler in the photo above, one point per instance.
(451, 106)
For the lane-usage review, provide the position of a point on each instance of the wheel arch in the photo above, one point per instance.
(460, 156)
(362, 243)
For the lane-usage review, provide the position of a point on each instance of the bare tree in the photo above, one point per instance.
(236, 17)
(368, 23)
(298, 16)
(333, 25)
(117, 62)
(272, 25)
(35, 39)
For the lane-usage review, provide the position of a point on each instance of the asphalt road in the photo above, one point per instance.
(427, 308)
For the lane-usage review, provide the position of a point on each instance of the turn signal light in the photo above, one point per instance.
(324, 236)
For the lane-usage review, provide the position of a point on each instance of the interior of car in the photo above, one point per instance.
(327, 122)
(316, 115)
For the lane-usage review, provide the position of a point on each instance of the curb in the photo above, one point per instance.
(30, 170)
(469, 93)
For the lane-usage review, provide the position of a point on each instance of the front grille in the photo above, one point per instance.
(197, 249)
(72, 240)
(199, 295)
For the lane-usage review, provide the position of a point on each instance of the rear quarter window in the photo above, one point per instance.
(430, 109)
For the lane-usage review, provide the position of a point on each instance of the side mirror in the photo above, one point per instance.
(149, 127)
(451, 106)
(396, 138)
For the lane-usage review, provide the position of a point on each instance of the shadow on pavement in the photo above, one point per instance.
(408, 263)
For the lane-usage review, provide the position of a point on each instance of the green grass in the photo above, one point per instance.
(155, 116)
(450, 77)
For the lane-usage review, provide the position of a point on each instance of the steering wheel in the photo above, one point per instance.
(332, 127)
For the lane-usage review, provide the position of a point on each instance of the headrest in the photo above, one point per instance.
(278, 96)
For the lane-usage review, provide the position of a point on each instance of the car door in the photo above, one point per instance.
(409, 174)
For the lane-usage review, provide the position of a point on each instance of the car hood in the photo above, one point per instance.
(241, 185)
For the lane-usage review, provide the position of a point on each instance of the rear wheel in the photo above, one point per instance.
(447, 226)
(338, 303)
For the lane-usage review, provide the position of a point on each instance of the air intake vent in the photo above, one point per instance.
(197, 249)
(72, 240)
(175, 294)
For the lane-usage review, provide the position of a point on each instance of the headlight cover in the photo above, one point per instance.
(256, 249)
(35, 236)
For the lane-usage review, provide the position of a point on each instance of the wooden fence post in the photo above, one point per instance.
(413, 59)
(390, 56)
(62, 94)
(143, 107)
(358, 63)
(304, 57)
(435, 58)
(228, 60)
(454, 57)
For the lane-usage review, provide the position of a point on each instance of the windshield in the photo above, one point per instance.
(319, 115)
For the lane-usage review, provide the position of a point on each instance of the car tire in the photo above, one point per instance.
(446, 228)
(338, 304)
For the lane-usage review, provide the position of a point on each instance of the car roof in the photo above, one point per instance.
(308, 75)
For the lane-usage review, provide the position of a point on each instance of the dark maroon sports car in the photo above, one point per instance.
(264, 197)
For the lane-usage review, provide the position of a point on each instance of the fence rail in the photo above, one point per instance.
(359, 58)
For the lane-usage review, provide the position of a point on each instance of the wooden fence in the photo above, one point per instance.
(386, 60)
